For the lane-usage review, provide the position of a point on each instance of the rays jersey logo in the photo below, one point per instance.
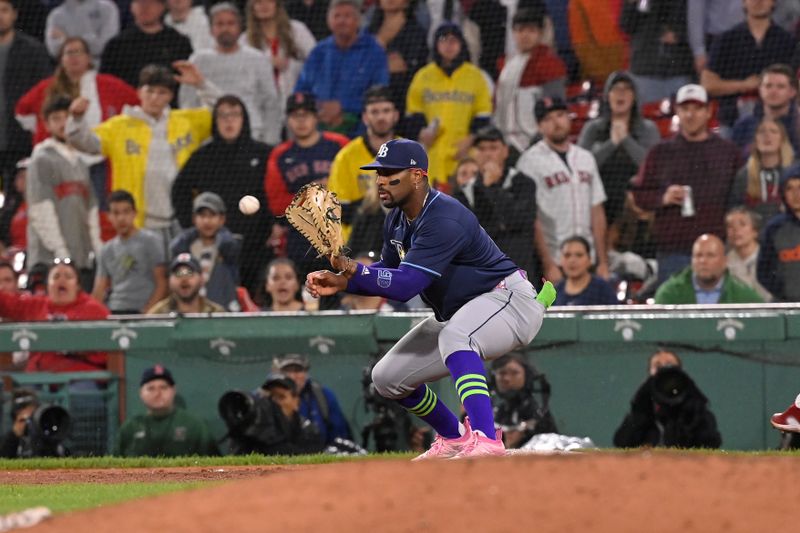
(401, 251)
(384, 278)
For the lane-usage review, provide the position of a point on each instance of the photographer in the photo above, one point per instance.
(318, 403)
(27, 437)
(269, 423)
(514, 385)
(668, 410)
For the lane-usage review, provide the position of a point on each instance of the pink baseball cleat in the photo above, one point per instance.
(789, 420)
(443, 448)
(480, 446)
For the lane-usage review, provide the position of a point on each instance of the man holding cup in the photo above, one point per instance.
(685, 181)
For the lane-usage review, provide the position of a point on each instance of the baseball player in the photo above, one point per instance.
(483, 304)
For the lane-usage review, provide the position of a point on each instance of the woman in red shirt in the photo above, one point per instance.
(64, 301)
(75, 77)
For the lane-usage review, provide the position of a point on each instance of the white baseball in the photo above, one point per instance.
(249, 204)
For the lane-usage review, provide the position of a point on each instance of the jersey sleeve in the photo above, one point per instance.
(435, 244)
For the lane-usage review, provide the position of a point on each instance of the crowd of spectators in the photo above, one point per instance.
(661, 156)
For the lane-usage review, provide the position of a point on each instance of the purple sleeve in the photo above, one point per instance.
(400, 284)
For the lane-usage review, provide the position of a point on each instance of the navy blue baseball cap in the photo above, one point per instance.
(156, 372)
(400, 154)
(185, 259)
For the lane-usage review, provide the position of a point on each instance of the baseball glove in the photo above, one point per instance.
(317, 214)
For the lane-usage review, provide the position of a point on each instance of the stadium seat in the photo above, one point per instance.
(581, 113)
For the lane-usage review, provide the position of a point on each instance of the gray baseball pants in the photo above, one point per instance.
(492, 325)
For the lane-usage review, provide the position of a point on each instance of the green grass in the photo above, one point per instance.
(72, 496)
(168, 462)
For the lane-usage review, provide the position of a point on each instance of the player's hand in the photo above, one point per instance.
(188, 73)
(553, 274)
(673, 195)
(343, 264)
(78, 107)
(325, 283)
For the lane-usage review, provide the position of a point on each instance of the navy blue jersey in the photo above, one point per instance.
(447, 242)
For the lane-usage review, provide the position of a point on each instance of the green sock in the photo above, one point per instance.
(547, 295)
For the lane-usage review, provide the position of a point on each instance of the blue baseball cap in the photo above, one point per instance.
(400, 154)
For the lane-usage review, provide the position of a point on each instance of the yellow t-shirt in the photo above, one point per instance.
(346, 179)
(125, 140)
(455, 101)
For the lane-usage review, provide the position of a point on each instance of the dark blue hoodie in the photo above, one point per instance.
(779, 255)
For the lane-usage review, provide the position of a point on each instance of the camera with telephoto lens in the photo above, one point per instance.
(45, 432)
(670, 386)
(238, 410)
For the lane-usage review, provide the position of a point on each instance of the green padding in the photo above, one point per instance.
(793, 325)
(259, 338)
(746, 361)
(107, 335)
(686, 327)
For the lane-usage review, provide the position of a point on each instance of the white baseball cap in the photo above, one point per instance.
(691, 93)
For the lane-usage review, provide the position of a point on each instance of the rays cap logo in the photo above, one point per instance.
(400, 154)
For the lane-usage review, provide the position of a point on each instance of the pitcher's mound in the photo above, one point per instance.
(586, 493)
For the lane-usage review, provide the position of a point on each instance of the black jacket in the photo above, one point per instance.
(9, 446)
(274, 434)
(689, 424)
(367, 233)
(132, 49)
(28, 63)
(511, 409)
(649, 56)
(231, 170)
(411, 44)
(507, 211)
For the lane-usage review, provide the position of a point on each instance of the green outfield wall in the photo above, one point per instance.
(745, 358)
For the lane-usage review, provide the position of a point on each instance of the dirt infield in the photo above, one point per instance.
(591, 493)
